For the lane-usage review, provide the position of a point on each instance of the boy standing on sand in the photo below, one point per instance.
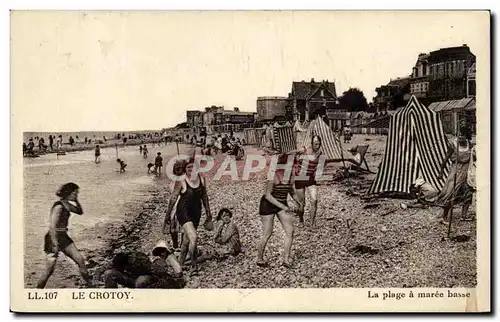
(158, 164)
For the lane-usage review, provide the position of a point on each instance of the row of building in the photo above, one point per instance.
(303, 99)
(218, 115)
(443, 75)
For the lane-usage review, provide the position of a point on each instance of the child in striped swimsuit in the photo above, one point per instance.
(274, 203)
(307, 164)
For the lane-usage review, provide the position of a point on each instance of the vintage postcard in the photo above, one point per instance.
(250, 161)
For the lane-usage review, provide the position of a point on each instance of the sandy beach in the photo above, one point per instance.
(356, 242)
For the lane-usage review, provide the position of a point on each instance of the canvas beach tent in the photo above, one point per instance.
(252, 136)
(284, 138)
(270, 143)
(330, 144)
(416, 147)
(297, 127)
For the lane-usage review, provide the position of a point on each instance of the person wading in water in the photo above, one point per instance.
(193, 193)
(97, 153)
(307, 161)
(57, 238)
(274, 203)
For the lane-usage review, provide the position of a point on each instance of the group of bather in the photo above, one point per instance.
(184, 212)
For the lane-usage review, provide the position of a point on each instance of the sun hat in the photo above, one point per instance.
(223, 211)
(419, 182)
(160, 246)
(66, 189)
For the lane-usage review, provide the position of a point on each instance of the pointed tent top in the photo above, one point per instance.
(413, 103)
(297, 127)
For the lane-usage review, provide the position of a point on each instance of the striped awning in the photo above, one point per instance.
(380, 123)
(468, 103)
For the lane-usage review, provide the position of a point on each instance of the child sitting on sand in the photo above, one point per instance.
(138, 270)
(227, 234)
(123, 165)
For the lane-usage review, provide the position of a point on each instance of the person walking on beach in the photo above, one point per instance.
(57, 239)
(175, 228)
(31, 146)
(51, 142)
(457, 190)
(193, 193)
(59, 143)
(41, 144)
(144, 152)
(306, 165)
(158, 164)
(97, 153)
(274, 203)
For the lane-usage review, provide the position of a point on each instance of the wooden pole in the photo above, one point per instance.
(343, 162)
(454, 180)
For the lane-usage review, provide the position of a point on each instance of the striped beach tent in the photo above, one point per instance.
(284, 138)
(252, 136)
(267, 138)
(297, 127)
(416, 147)
(330, 144)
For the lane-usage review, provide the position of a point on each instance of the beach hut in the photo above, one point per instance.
(297, 127)
(416, 147)
(268, 137)
(251, 136)
(284, 138)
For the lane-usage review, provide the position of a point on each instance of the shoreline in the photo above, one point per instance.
(78, 147)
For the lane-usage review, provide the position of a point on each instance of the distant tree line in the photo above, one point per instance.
(353, 100)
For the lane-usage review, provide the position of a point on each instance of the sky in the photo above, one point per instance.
(96, 71)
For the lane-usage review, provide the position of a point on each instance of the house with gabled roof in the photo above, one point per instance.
(308, 98)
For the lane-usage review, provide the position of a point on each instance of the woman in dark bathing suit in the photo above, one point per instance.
(193, 193)
(57, 238)
(274, 202)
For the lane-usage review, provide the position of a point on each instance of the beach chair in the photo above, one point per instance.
(358, 166)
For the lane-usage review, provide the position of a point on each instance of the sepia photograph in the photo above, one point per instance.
(177, 151)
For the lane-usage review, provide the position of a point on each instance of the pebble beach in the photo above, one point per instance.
(356, 242)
